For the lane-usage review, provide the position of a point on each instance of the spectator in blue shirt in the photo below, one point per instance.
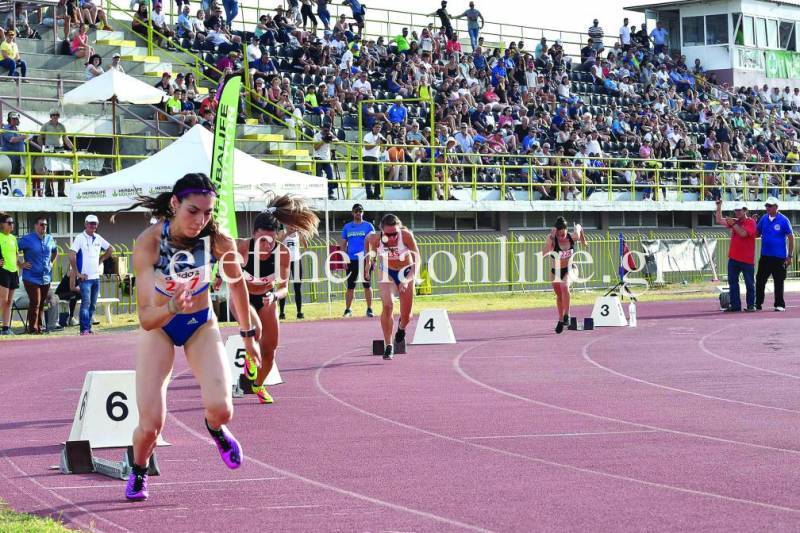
(183, 29)
(560, 119)
(397, 112)
(264, 65)
(353, 235)
(774, 229)
(610, 85)
(659, 38)
(13, 142)
(478, 59)
(498, 72)
(358, 13)
(529, 142)
(39, 251)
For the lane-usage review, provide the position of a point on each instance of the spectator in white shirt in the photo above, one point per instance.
(160, 24)
(593, 144)
(93, 68)
(116, 64)
(362, 87)
(371, 152)
(253, 51)
(347, 60)
(322, 154)
(86, 255)
(198, 26)
(625, 35)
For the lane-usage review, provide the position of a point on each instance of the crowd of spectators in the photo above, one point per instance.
(501, 111)
(539, 112)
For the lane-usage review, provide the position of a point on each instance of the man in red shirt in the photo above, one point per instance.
(742, 255)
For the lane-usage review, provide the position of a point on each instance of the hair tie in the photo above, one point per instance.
(271, 210)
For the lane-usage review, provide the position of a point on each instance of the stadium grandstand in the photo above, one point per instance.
(452, 127)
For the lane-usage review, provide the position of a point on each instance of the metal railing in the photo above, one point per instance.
(613, 178)
(484, 263)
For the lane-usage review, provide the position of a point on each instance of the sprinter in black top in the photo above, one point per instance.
(560, 244)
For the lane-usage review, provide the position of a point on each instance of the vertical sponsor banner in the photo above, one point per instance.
(222, 155)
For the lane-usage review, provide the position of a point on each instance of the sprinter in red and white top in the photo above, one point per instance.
(562, 243)
(395, 248)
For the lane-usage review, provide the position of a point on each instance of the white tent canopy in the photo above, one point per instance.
(192, 153)
(113, 83)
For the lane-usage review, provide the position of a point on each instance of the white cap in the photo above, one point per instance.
(738, 206)
(771, 201)
(91, 218)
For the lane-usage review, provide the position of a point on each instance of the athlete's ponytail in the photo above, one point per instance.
(160, 206)
(561, 223)
(288, 210)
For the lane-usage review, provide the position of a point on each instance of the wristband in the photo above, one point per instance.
(249, 333)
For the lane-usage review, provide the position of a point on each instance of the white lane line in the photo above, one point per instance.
(587, 433)
(333, 488)
(702, 344)
(463, 373)
(63, 499)
(582, 470)
(591, 361)
(162, 483)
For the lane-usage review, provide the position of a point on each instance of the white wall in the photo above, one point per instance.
(716, 57)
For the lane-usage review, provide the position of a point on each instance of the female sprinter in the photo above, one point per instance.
(267, 274)
(173, 260)
(396, 249)
(562, 243)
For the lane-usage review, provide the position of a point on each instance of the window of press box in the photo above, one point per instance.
(716, 29)
(693, 31)
(786, 34)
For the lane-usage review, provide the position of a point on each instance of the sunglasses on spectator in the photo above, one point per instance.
(9, 222)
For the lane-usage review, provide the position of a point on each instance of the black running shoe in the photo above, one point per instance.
(399, 336)
(559, 327)
(566, 319)
(300, 316)
(388, 352)
(282, 316)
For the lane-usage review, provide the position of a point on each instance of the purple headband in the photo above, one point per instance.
(186, 192)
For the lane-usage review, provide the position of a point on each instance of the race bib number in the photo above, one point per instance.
(196, 278)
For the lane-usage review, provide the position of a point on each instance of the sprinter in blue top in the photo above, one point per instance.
(774, 230)
(353, 235)
(172, 260)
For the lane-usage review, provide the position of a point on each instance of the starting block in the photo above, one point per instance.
(77, 458)
(378, 347)
(588, 324)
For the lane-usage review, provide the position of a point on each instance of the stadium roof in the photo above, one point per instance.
(678, 3)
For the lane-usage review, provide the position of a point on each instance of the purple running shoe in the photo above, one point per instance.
(229, 448)
(136, 489)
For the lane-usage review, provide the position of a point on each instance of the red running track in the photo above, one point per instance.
(688, 422)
